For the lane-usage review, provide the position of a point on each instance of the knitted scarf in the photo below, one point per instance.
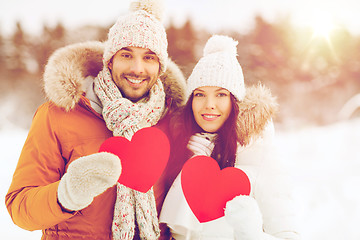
(124, 118)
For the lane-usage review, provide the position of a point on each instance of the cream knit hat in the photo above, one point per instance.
(142, 27)
(218, 67)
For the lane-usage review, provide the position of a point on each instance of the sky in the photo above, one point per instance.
(211, 14)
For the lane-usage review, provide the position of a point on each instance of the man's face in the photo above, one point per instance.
(134, 70)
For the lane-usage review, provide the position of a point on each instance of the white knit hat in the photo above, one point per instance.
(142, 27)
(218, 67)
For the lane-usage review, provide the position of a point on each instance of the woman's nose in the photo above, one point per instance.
(210, 103)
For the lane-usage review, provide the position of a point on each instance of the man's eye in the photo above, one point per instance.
(150, 57)
(125, 55)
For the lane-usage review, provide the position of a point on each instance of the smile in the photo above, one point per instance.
(135, 81)
(210, 117)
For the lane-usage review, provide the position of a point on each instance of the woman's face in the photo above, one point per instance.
(211, 107)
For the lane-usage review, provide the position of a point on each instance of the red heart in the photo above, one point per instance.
(143, 159)
(207, 188)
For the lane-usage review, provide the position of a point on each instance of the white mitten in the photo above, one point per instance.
(201, 144)
(244, 215)
(86, 178)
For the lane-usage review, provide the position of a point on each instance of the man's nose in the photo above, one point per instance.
(137, 66)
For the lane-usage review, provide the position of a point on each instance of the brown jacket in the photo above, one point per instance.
(64, 129)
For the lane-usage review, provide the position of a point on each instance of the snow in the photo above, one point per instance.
(324, 162)
(11, 142)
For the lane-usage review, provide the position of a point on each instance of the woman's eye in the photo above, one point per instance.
(198, 95)
(222, 94)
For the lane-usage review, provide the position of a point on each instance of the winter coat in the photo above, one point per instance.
(65, 128)
(256, 156)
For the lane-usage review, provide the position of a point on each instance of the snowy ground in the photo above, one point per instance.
(326, 165)
(11, 142)
(325, 162)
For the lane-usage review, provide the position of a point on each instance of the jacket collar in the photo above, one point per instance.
(95, 102)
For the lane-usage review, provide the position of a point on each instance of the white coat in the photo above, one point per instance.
(269, 187)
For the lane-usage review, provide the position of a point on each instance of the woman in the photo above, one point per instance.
(234, 126)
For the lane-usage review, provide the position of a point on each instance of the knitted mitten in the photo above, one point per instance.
(244, 215)
(86, 178)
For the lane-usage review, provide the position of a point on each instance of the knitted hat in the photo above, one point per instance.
(218, 67)
(142, 27)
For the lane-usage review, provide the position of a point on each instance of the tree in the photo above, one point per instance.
(47, 43)
(16, 61)
(2, 54)
(182, 44)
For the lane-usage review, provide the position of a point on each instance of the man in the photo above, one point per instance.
(62, 185)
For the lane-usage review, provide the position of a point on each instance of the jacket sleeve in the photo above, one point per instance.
(271, 187)
(32, 197)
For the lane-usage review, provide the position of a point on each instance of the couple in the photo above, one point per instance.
(65, 187)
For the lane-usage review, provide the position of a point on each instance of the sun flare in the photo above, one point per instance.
(322, 25)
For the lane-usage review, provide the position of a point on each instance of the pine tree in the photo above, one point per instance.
(44, 45)
(16, 61)
(2, 54)
(182, 45)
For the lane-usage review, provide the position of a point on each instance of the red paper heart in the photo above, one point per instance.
(207, 188)
(143, 159)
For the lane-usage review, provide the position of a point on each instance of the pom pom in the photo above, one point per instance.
(218, 43)
(153, 7)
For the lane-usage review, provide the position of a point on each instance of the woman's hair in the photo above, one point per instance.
(227, 136)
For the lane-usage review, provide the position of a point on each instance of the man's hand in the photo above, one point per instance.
(86, 178)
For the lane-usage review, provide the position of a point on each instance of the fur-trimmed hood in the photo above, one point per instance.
(256, 110)
(67, 68)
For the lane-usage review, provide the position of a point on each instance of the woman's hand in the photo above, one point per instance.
(244, 215)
